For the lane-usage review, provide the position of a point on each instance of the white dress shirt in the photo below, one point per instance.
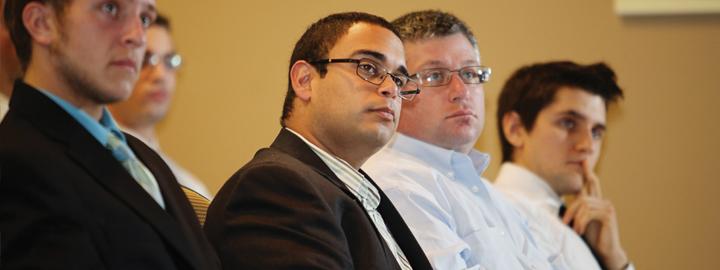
(536, 199)
(4, 105)
(460, 221)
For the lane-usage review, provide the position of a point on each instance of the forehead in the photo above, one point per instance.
(588, 105)
(369, 37)
(158, 38)
(451, 52)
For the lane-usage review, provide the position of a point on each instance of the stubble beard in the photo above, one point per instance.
(79, 81)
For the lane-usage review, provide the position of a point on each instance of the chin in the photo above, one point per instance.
(380, 136)
(574, 185)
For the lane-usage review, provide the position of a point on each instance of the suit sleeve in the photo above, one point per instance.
(275, 218)
(37, 228)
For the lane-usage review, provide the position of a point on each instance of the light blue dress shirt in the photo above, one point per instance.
(99, 130)
(459, 219)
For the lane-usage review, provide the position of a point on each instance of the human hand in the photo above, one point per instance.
(595, 219)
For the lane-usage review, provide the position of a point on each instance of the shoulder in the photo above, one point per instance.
(393, 169)
(276, 176)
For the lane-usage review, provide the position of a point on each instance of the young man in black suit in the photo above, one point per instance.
(304, 203)
(75, 192)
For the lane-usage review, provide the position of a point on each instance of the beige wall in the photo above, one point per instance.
(662, 144)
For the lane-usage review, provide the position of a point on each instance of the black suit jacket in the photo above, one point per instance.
(67, 203)
(286, 209)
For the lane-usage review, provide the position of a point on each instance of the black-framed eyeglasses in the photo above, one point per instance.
(375, 73)
(441, 76)
(172, 61)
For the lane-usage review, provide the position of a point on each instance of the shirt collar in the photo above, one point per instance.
(100, 130)
(445, 159)
(4, 104)
(529, 185)
(360, 186)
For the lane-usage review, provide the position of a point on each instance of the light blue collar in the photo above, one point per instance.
(100, 130)
(447, 160)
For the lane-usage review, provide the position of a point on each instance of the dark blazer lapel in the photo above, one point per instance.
(179, 231)
(294, 146)
(400, 231)
(84, 149)
(291, 144)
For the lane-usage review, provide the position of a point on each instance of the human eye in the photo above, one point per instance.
(567, 123)
(598, 133)
(470, 75)
(399, 80)
(147, 20)
(368, 68)
(110, 8)
(432, 75)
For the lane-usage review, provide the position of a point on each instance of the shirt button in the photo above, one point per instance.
(475, 188)
(502, 233)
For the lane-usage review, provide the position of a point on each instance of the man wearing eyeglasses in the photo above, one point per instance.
(150, 100)
(303, 203)
(430, 170)
(75, 191)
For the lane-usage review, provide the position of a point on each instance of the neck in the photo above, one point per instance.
(6, 84)
(518, 160)
(465, 149)
(354, 154)
(43, 75)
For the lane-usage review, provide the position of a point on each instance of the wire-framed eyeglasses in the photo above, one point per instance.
(441, 76)
(171, 61)
(375, 73)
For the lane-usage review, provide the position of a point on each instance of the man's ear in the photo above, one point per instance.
(301, 76)
(514, 129)
(40, 22)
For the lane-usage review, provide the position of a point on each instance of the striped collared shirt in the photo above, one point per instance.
(363, 191)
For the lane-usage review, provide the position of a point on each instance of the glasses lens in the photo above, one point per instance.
(410, 89)
(434, 77)
(474, 75)
(399, 80)
(470, 75)
(150, 59)
(485, 76)
(370, 71)
(173, 61)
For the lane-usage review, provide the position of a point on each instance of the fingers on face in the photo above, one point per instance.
(585, 210)
(591, 184)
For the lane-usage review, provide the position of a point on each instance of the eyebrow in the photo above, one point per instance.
(437, 64)
(380, 58)
(377, 55)
(576, 114)
(151, 8)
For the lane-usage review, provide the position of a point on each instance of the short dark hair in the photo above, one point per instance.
(426, 24)
(18, 33)
(162, 21)
(317, 41)
(532, 88)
